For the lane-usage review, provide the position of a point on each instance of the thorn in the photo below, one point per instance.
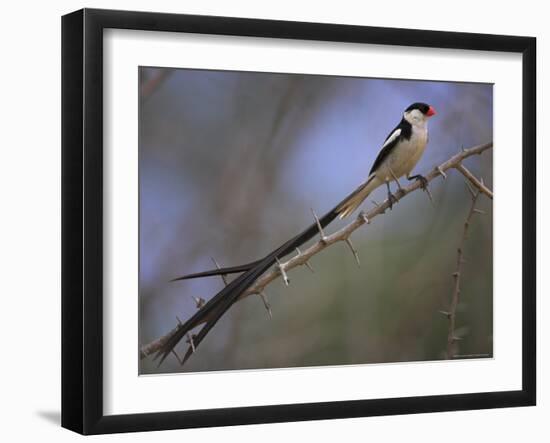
(354, 252)
(462, 148)
(472, 192)
(223, 276)
(364, 217)
(445, 313)
(456, 339)
(321, 232)
(441, 173)
(282, 271)
(190, 341)
(199, 301)
(455, 274)
(478, 211)
(306, 262)
(179, 321)
(375, 203)
(429, 195)
(266, 304)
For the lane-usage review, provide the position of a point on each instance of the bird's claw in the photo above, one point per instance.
(423, 181)
(423, 185)
(391, 200)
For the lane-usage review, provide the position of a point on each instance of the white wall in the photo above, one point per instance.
(30, 217)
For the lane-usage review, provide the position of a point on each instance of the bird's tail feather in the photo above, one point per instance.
(354, 200)
(212, 311)
(220, 271)
(344, 209)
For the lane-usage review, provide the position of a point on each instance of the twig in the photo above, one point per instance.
(223, 276)
(451, 314)
(477, 183)
(157, 344)
(340, 235)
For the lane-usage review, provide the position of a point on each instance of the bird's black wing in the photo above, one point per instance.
(401, 131)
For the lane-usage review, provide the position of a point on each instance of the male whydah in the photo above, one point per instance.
(398, 156)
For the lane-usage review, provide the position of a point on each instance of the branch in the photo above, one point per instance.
(342, 235)
(477, 183)
(451, 315)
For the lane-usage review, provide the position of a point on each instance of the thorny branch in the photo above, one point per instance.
(451, 314)
(342, 235)
(477, 183)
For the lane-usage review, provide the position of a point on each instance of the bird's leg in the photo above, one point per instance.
(423, 184)
(391, 198)
(396, 180)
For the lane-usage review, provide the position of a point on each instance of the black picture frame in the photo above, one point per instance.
(82, 220)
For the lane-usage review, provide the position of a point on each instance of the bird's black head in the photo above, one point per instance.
(422, 107)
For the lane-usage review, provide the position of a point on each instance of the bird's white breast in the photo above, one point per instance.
(405, 154)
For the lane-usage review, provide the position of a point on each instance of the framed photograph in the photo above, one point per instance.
(269, 221)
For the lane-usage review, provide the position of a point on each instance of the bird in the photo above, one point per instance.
(399, 154)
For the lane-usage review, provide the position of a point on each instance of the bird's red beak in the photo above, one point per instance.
(431, 111)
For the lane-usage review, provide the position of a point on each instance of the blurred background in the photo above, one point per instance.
(230, 164)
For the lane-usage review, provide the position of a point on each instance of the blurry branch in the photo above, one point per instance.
(343, 235)
(477, 183)
(451, 314)
(149, 86)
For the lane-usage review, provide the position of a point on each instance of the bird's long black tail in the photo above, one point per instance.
(344, 208)
(219, 271)
(212, 311)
